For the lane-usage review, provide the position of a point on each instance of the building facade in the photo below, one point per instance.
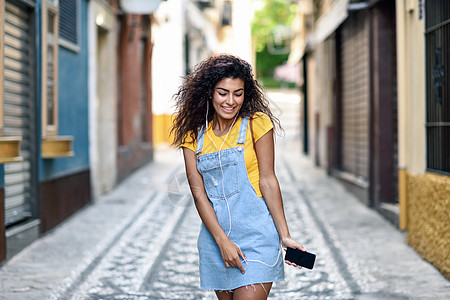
(43, 115)
(135, 146)
(424, 132)
(75, 109)
(375, 111)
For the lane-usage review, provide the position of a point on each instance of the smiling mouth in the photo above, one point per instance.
(228, 108)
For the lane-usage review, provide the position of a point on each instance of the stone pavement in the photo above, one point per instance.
(139, 242)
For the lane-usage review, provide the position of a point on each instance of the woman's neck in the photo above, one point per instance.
(222, 126)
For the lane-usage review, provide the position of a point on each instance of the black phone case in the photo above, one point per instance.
(301, 258)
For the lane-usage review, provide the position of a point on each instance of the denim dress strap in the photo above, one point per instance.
(200, 138)
(243, 131)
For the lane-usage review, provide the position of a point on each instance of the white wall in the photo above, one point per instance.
(168, 64)
(237, 39)
(102, 98)
(168, 58)
(242, 17)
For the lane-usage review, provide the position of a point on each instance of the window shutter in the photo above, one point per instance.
(69, 20)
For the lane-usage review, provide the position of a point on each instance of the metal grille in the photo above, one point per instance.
(68, 20)
(17, 102)
(437, 20)
(355, 97)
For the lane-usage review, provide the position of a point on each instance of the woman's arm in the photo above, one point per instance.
(270, 189)
(230, 252)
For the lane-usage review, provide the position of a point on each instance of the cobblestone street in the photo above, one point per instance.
(139, 242)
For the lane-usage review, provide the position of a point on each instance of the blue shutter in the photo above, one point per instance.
(69, 20)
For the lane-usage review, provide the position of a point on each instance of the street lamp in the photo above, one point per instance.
(139, 7)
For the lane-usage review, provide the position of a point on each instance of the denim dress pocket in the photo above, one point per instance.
(212, 178)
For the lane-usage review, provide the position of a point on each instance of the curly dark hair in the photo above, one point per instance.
(198, 88)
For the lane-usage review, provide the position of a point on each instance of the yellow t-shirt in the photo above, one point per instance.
(261, 125)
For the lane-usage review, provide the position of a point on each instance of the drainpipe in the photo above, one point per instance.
(402, 70)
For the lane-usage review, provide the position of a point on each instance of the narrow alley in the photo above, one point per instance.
(139, 241)
(95, 204)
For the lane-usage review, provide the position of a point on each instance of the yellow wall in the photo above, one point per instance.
(429, 219)
(161, 129)
(415, 38)
(411, 98)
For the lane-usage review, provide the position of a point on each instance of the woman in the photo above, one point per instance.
(225, 128)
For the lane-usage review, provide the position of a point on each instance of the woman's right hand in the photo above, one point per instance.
(289, 242)
(231, 254)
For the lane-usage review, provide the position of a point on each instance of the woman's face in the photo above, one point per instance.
(228, 97)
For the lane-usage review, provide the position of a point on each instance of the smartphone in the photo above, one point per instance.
(301, 258)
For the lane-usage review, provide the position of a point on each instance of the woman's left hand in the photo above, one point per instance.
(289, 242)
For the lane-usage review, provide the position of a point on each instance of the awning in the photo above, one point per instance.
(331, 20)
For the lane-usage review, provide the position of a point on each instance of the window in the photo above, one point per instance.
(69, 24)
(227, 13)
(49, 69)
(438, 86)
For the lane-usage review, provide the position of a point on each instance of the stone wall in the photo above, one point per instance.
(429, 219)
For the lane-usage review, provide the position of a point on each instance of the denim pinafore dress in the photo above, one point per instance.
(243, 216)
